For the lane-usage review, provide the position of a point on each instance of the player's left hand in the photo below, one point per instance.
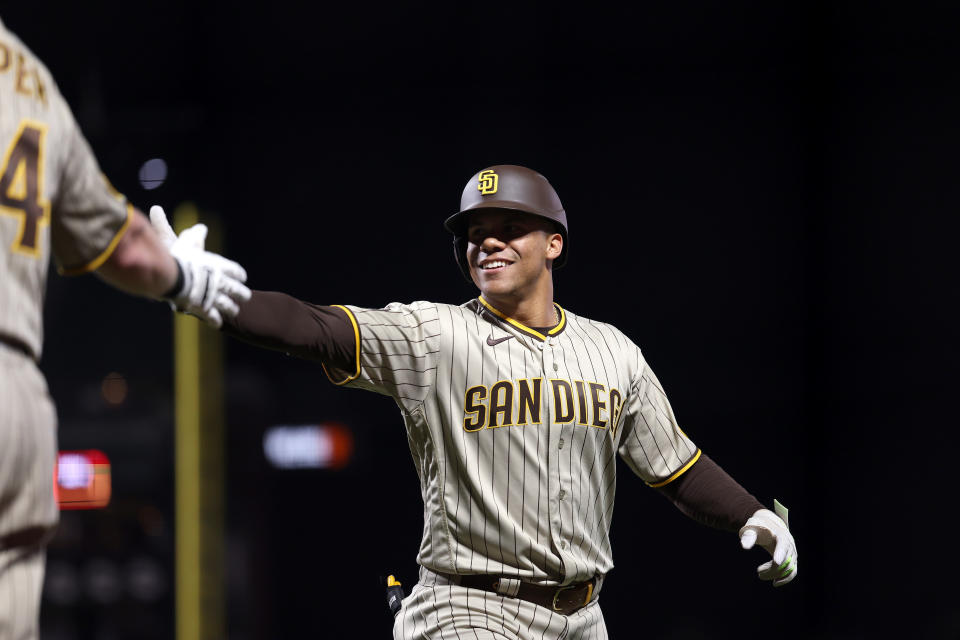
(213, 286)
(772, 533)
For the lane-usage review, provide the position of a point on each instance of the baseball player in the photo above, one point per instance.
(54, 200)
(516, 409)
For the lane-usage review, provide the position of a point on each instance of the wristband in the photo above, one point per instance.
(177, 287)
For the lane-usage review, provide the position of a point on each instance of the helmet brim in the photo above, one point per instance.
(457, 223)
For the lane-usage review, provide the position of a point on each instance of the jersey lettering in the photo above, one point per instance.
(616, 404)
(489, 409)
(501, 404)
(563, 408)
(21, 186)
(529, 401)
(27, 81)
(581, 402)
(474, 411)
(598, 405)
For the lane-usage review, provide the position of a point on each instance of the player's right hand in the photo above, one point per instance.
(213, 286)
(772, 533)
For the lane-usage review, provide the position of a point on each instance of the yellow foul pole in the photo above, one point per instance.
(198, 398)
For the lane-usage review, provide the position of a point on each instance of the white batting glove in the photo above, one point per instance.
(212, 285)
(773, 534)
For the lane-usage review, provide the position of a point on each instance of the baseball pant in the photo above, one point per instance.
(21, 580)
(28, 511)
(437, 609)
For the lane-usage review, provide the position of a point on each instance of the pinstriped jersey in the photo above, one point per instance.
(514, 433)
(52, 194)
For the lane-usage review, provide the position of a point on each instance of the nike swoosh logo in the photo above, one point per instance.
(492, 343)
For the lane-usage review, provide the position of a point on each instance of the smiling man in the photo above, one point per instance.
(516, 410)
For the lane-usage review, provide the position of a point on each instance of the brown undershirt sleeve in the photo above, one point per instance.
(280, 322)
(710, 496)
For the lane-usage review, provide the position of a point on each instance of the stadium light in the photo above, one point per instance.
(319, 446)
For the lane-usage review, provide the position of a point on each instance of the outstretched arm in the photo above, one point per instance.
(280, 322)
(266, 319)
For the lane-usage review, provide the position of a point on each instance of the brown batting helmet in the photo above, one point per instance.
(511, 188)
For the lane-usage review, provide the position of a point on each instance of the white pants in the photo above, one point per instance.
(21, 579)
(437, 608)
(28, 511)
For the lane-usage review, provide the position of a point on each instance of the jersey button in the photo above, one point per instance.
(562, 494)
(563, 544)
(556, 367)
(560, 444)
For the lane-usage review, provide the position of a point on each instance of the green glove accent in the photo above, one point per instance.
(786, 568)
(781, 511)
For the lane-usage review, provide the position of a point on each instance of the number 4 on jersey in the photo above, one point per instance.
(21, 186)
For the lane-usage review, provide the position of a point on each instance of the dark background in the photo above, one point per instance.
(762, 195)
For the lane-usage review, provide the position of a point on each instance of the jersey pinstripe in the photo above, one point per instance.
(52, 194)
(514, 433)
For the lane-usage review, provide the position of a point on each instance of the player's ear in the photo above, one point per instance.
(554, 246)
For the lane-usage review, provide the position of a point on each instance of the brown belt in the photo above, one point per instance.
(565, 600)
(32, 537)
(16, 345)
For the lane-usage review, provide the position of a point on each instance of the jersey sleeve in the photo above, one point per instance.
(89, 217)
(396, 353)
(652, 443)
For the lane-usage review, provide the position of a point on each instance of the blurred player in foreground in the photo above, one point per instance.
(516, 410)
(53, 199)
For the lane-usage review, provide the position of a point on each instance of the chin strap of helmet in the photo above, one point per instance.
(460, 253)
